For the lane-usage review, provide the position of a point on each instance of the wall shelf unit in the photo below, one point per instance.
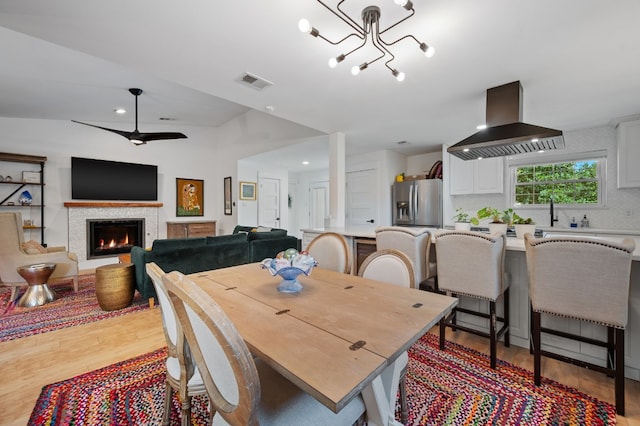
(11, 190)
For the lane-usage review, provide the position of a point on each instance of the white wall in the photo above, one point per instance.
(209, 154)
(422, 163)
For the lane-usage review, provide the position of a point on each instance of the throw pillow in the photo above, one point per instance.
(33, 247)
(263, 229)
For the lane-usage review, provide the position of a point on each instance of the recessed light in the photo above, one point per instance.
(306, 163)
(481, 126)
(120, 111)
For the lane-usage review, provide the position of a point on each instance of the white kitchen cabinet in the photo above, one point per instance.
(484, 176)
(629, 154)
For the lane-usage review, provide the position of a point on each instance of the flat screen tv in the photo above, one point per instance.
(113, 180)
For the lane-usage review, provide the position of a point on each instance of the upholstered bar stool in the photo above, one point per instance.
(413, 242)
(471, 264)
(585, 279)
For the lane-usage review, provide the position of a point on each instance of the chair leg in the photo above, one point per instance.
(535, 337)
(404, 411)
(443, 328)
(492, 333)
(75, 283)
(186, 411)
(507, 314)
(619, 380)
(611, 348)
(168, 396)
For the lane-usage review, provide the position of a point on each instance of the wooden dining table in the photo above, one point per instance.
(341, 336)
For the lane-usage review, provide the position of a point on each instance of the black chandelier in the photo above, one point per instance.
(369, 30)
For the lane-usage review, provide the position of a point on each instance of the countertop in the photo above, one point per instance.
(513, 244)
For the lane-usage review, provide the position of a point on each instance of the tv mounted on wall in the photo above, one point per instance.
(113, 180)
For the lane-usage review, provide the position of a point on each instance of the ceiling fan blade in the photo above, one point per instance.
(119, 132)
(136, 137)
(156, 136)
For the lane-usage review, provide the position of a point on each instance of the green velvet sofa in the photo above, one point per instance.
(191, 255)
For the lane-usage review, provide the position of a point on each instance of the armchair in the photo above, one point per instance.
(13, 255)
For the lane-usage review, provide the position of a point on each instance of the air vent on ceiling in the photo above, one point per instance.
(254, 81)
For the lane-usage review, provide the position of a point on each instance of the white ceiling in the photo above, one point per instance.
(577, 60)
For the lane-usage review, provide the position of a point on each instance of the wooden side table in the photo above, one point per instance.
(115, 286)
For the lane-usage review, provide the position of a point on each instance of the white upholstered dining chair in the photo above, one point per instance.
(585, 279)
(471, 264)
(331, 251)
(415, 243)
(393, 267)
(182, 375)
(243, 390)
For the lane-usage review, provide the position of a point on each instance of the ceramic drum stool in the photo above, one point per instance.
(115, 286)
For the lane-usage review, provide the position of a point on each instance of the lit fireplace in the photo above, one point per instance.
(110, 237)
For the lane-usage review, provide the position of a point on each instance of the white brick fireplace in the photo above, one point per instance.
(80, 211)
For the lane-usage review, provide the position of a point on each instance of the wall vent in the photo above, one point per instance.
(254, 81)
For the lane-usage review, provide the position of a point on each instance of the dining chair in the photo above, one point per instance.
(331, 251)
(415, 243)
(585, 279)
(471, 265)
(182, 375)
(393, 267)
(243, 390)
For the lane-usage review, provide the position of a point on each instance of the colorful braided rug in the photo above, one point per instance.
(451, 387)
(67, 310)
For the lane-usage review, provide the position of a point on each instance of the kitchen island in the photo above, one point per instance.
(516, 268)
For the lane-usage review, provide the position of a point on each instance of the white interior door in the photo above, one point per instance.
(318, 204)
(269, 202)
(362, 198)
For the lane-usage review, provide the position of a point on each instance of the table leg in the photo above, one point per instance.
(381, 394)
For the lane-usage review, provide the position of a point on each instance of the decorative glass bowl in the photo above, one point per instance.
(289, 265)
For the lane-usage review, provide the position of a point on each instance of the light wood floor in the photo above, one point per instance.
(29, 363)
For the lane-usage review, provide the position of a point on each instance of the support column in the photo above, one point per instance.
(337, 180)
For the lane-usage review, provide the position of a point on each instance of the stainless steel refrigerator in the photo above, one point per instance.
(417, 203)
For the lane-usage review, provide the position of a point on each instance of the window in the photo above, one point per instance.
(570, 182)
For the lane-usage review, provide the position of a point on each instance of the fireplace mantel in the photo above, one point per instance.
(115, 204)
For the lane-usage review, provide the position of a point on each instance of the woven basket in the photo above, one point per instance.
(115, 286)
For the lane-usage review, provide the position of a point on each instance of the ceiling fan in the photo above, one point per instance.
(136, 137)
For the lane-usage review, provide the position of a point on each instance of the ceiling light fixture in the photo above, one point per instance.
(369, 30)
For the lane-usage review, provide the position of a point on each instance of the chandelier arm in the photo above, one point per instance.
(399, 22)
(375, 37)
(400, 39)
(357, 48)
(340, 41)
(348, 21)
(348, 18)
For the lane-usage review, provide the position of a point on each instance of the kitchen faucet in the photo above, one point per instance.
(551, 211)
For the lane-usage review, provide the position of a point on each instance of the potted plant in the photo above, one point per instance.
(523, 226)
(462, 220)
(500, 219)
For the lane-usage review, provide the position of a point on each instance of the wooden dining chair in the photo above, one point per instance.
(585, 279)
(393, 267)
(415, 243)
(471, 265)
(331, 251)
(243, 390)
(182, 375)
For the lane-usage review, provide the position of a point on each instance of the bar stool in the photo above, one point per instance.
(585, 279)
(413, 242)
(471, 264)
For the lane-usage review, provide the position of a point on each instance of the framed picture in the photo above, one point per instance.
(247, 190)
(227, 196)
(189, 197)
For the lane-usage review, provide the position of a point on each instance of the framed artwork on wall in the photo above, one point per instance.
(247, 190)
(227, 196)
(189, 197)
